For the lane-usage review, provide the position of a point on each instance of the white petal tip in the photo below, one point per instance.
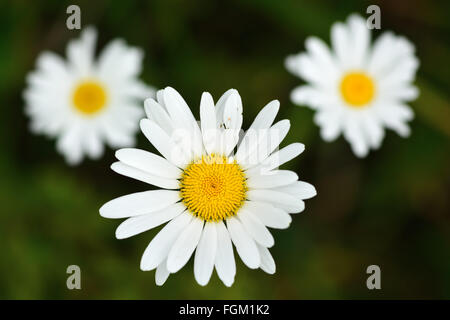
(144, 264)
(102, 212)
(120, 234)
(147, 101)
(361, 155)
(171, 267)
(144, 122)
(114, 166)
(253, 264)
(145, 267)
(270, 271)
(202, 282)
(228, 283)
(300, 147)
(205, 95)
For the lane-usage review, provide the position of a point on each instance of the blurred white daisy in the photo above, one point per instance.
(209, 197)
(85, 103)
(356, 88)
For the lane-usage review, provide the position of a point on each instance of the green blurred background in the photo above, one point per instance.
(390, 209)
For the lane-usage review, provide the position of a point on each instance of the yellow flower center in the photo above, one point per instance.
(89, 97)
(357, 89)
(212, 188)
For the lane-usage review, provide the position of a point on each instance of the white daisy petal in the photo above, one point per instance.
(93, 145)
(165, 145)
(291, 64)
(148, 162)
(185, 245)
(225, 264)
(135, 225)
(157, 113)
(233, 115)
(229, 121)
(269, 215)
(80, 52)
(267, 262)
(228, 140)
(255, 228)
(279, 199)
(208, 123)
(278, 158)
(388, 51)
(177, 108)
(69, 143)
(301, 189)
(271, 179)
(355, 136)
(307, 95)
(114, 136)
(118, 59)
(274, 137)
(132, 172)
(161, 274)
(392, 119)
(329, 123)
(205, 254)
(53, 66)
(245, 245)
(220, 106)
(400, 92)
(258, 129)
(139, 203)
(160, 98)
(402, 111)
(373, 130)
(361, 38)
(402, 73)
(159, 247)
(139, 90)
(183, 120)
(311, 71)
(232, 112)
(322, 55)
(340, 40)
(247, 152)
(266, 116)
(290, 208)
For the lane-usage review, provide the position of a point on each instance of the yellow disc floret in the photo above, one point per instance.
(357, 89)
(213, 188)
(89, 97)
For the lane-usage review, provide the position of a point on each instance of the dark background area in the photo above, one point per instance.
(390, 209)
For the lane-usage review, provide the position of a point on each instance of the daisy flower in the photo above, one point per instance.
(357, 89)
(84, 103)
(210, 196)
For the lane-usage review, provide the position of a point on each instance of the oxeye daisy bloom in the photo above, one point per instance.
(86, 103)
(357, 89)
(210, 196)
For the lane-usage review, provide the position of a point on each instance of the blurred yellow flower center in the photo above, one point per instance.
(357, 89)
(89, 97)
(212, 188)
